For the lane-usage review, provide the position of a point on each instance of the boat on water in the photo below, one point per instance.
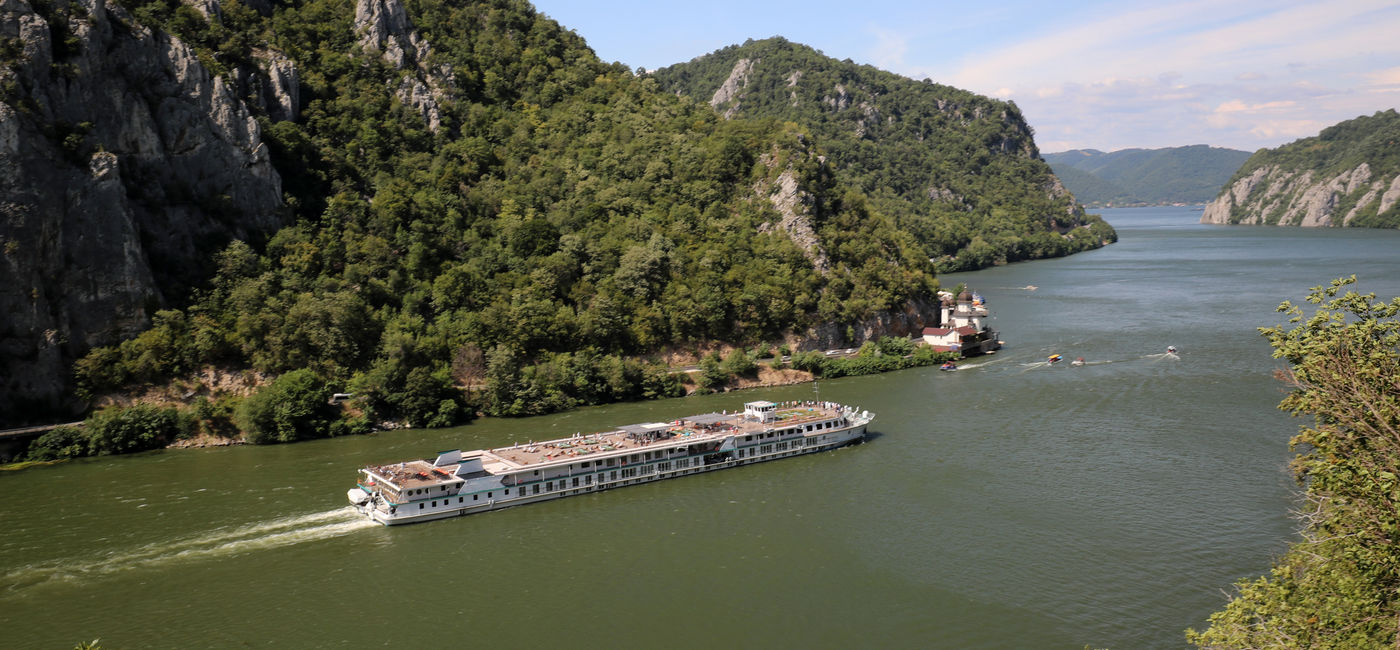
(1055, 358)
(461, 483)
(1078, 361)
(948, 366)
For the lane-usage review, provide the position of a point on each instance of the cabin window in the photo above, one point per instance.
(461, 499)
(549, 487)
(575, 481)
(434, 504)
(420, 506)
(537, 488)
(488, 495)
(476, 497)
(507, 490)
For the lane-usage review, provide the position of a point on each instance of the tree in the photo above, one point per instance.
(712, 372)
(293, 407)
(1338, 586)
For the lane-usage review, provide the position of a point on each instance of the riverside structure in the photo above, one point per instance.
(458, 483)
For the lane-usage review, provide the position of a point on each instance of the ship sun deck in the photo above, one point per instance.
(645, 437)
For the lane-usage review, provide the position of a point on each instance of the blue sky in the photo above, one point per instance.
(1243, 74)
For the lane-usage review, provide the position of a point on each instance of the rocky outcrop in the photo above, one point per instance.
(384, 27)
(280, 87)
(1272, 195)
(908, 320)
(122, 162)
(796, 208)
(731, 92)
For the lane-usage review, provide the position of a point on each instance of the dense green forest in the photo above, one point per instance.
(958, 171)
(1192, 174)
(538, 243)
(567, 219)
(1339, 585)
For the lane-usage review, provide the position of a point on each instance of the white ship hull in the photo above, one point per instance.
(508, 478)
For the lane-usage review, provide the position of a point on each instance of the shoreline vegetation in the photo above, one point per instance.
(1338, 585)
(217, 408)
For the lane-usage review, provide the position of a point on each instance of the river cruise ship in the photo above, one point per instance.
(462, 483)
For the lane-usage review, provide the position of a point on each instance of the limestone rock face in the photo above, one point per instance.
(121, 159)
(384, 27)
(1271, 195)
(908, 320)
(795, 208)
(731, 92)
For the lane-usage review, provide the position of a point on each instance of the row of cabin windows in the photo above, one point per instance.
(630, 472)
(442, 488)
(634, 458)
(626, 473)
(475, 497)
(810, 428)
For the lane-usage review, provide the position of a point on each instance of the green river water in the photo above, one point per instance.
(1011, 504)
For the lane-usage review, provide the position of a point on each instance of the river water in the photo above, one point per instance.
(1011, 504)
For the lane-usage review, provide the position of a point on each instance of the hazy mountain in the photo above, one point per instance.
(1191, 174)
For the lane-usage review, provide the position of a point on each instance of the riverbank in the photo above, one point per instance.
(206, 410)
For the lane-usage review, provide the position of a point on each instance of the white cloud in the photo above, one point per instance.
(1244, 75)
(889, 49)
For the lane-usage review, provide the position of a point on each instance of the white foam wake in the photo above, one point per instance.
(224, 542)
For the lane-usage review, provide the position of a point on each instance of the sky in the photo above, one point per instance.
(1243, 74)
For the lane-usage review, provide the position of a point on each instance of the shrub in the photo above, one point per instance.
(127, 430)
(293, 407)
(57, 444)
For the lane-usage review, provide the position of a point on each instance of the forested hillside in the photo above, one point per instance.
(1192, 174)
(1347, 175)
(479, 216)
(483, 216)
(958, 171)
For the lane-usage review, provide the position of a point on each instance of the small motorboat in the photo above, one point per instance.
(1079, 361)
(1056, 358)
(1171, 349)
(948, 366)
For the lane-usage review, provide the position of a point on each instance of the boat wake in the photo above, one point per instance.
(224, 542)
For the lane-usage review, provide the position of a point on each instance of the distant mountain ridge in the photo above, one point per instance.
(1347, 175)
(1190, 174)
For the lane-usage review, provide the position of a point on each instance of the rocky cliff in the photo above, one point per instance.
(1274, 196)
(123, 162)
(1348, 175)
